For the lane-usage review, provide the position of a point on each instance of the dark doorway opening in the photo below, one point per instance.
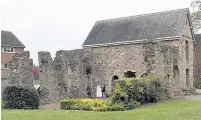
(115, 78)
(129, 74)
(88, 71)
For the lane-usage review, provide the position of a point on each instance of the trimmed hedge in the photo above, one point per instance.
(20, 97)
(84, 104)
(94, 105)
(144, 90)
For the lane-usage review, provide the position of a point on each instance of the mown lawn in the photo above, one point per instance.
(169, 110)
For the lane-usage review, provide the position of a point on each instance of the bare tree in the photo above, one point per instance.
(196, 15)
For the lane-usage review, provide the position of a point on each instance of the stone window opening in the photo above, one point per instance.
(89, 76)
(187, 77)
(129, 74)
(115, 78)
(187, 51)
(175, 72)
(44, 61)
(168, 76)
(88, 71)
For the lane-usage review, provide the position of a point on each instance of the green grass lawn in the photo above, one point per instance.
(169, 110)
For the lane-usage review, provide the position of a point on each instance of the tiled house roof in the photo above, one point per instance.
(9, 39)
(149, 26)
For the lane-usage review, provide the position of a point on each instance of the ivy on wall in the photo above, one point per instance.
(154, 49)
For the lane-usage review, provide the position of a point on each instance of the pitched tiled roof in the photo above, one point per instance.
(149, 26)
(197, 39)
(9, 39)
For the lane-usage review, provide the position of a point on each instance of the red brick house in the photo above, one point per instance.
(10, 44)
(198, 57)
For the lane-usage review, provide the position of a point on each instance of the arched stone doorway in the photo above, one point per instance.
(114, 79)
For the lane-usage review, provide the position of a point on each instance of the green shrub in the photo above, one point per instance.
(197, 83)
(20, 97)
(2, 104)
(116, 107)
(143, 90)
(43, 92)
(95, 105)
(84, 104)
(131, 105)
(69, 104)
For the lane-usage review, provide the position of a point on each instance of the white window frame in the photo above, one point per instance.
(8, 49)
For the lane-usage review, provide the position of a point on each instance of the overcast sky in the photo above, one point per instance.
(52, 25)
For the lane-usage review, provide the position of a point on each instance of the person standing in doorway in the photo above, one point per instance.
(103, 89)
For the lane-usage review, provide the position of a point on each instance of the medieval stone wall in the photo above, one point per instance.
(69, 74)
(20, 69)
(108, 62)
(48, 83)
(64, 76)
(165, 59)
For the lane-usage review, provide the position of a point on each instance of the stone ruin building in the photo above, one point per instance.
(159, 43)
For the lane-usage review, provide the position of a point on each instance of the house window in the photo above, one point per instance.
(5, 66)
(8, 49)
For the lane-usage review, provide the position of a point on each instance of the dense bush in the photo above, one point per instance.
(143, 90)
(20, 97)
(197, 83)
(131, 105)
(116, 107)
(84, 104)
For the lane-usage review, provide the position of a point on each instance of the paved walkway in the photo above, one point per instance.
(56, 106)
(194, 97)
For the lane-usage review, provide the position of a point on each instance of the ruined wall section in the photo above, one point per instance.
(48, 84)
(60, 73)
(20, 69)
(76, 73)
(64, 76)
(164, 59)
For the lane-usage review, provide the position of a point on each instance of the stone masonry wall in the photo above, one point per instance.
(167, 62)
(69, 74)
(62, 77)
(48, 83)
(20, 69)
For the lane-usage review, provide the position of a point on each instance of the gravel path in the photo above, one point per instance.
(194, 97)
(56, 106)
